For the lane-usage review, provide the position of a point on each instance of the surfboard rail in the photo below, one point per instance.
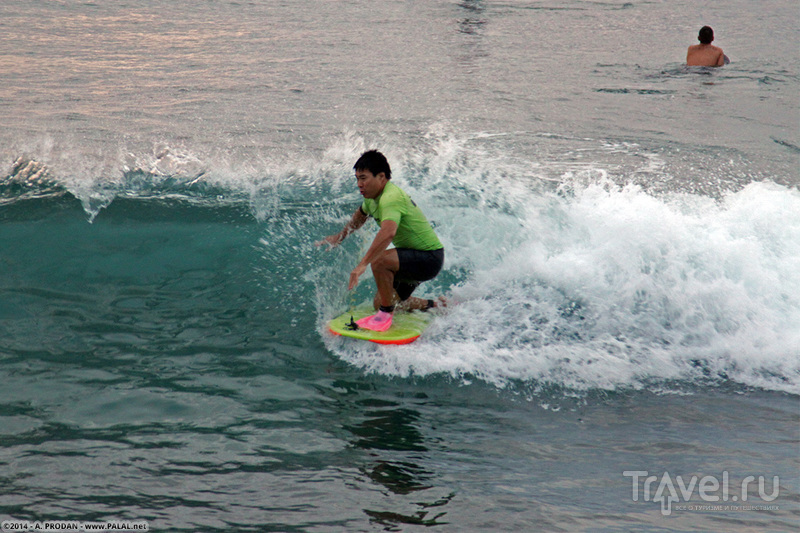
(409, 340)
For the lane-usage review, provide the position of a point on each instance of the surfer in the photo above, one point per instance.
(417, 256)
(705, 54)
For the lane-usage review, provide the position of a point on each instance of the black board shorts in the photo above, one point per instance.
(416, 266)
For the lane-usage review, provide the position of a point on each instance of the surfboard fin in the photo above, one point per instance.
(352, 326)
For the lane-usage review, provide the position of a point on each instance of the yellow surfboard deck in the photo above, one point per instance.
(406, 326)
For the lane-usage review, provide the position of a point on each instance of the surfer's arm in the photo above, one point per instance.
(379, 244)
(356, 221)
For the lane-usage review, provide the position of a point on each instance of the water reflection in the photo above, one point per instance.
(471, 23)
(390, 427)
(400, 477)
(420, 518)
(474, 21)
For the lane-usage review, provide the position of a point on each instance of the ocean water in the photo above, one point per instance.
(622, 348)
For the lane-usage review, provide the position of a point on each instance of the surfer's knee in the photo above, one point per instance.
(383, 263)
(386, 262)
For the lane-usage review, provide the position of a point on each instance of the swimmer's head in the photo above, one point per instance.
(706, 35)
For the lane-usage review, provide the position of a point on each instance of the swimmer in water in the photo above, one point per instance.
(705, 54)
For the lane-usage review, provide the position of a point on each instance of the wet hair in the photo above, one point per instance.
(706, 35)
(375, 162)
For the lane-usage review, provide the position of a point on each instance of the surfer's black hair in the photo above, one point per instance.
(706, 35)
(375, 162)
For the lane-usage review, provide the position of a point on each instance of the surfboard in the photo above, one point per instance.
(406, 326)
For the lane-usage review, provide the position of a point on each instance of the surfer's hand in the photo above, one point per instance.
(331, 240)
(354, 275)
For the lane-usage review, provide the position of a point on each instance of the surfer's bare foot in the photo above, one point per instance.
(421, 304)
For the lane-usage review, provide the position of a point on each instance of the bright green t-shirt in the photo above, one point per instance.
(413, 229)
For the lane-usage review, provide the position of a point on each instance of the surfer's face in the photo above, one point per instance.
(370, 186)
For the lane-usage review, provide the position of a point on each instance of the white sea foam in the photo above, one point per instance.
(600, 286)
